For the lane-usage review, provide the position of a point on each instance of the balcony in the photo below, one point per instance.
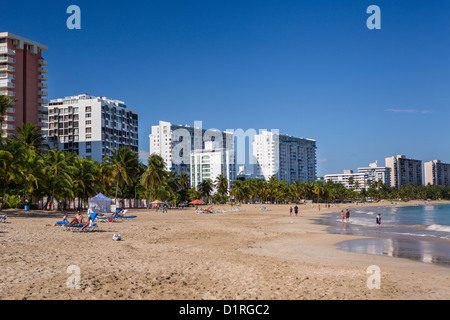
(7, 93)
(42, 93)
(42, 77)
(7, 51)
(7, 59)
(42, 70)
(6, 84)
(43, 62)
(43, 85)
(42, 101)
(7, 68)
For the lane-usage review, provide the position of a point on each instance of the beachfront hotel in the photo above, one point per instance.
(284, 157)
(377, 173)
(437, 173)
(350, 180)
(174, 143)
(22, 77)
(91, 126)
(363, 179)
(404, 171)
(210, 163)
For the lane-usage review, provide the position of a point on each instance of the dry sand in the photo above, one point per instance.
(179, 255)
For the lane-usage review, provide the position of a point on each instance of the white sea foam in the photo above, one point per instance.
(438, 227)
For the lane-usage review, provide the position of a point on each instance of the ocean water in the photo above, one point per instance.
(420, 233)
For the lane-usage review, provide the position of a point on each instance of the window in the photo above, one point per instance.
(88, 115)
(88, 122)
(88, 130)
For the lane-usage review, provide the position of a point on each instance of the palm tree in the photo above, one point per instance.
(222, 185)
(105, 178)
(125, 164)
(58, 170)
(5, 159)
(30, 136)
(318, 189)
(183, 181)
(84, 179)
(239, 190)
(11, 158)
(153, 175)
(32, 172)
(205, 188)
(6, 102)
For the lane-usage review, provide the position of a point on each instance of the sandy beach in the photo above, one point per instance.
(179, 255)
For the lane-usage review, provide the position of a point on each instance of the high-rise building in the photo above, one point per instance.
(91, 126)
(377, 173)
(284, 157)
(210, 163)
(350, 180)
(22, 76)
(437, 173)
(174, 143)
(404, 171)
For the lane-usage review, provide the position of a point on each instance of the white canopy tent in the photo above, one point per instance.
(100, 204)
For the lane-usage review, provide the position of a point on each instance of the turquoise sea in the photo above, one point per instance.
(420, 233)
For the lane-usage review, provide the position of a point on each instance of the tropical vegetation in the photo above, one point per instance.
(30, 173)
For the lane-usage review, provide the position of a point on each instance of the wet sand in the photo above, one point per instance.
(179, 255)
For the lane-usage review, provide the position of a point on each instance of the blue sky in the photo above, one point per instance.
(308, 68)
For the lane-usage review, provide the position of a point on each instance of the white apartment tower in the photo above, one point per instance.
(350, 180)
(174, 143)
(404, 171)
(210, 163)
(284, 157)
(91, 126)
(377, 173)
(437, 173)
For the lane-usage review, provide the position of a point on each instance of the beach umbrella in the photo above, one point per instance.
(197, 202)
(157, 202)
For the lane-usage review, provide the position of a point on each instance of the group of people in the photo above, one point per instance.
(345, 218)
(295, 210)
(78, 221)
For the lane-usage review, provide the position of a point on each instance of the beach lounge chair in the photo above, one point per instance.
(90, 228)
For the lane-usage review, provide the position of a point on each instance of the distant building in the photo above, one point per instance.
(376, 173)
(22, 76)
(210, 163)
(351, 180)
(284, 157)
(404, 171)
(174, 143)
(91, 126)
(437, 173)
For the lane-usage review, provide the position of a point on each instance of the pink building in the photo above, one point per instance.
(22, 76)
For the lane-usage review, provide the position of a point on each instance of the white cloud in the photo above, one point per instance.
(426, 111)
(144, 155)
(401, 110)
(322, 160)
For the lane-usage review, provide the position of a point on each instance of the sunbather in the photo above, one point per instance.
(90, 221)
(77, 220)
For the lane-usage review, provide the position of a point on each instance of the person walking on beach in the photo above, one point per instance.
(342, 216)
(296, 210)
(378, 221)
(290, 211)
(347, 216)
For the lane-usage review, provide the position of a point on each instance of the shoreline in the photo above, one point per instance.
(179, 255)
